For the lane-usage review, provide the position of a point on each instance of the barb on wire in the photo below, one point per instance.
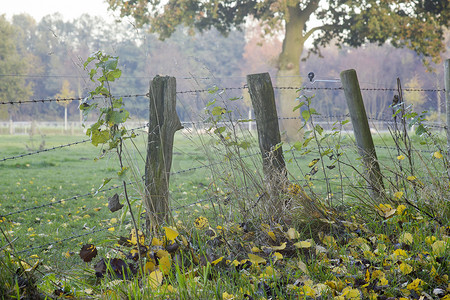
(58, 147)
(66, 99)
(63, 240)
(209, 90)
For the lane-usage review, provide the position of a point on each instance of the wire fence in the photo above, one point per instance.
(210, 90)
(335, 117)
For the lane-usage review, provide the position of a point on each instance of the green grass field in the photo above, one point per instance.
(202, 169)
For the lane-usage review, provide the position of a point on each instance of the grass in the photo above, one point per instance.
(359, 248)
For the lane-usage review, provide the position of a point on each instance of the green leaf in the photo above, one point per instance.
(217, 111)
(244, 145)
(313, 111)
(116, 117)
(277, 146)
(211, 103)
(345, 122)
(219, 130)
(306, 115)
(319, 129)
(105, 182)
(122, 173)
(298, 106)
(306, 142)
(298, 146)
(99, 137)
(421, 130)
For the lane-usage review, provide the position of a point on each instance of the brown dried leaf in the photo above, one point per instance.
(113, 203)
(88, 252)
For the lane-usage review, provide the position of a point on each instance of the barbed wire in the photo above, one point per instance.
(392, 121)
(219, 89)
(67, 99)
(29, 248)
(61, 201)
(59, 147)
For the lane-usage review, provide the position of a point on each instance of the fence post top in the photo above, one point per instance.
(345, 72)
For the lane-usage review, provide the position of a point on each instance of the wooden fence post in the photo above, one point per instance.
(447, 101)
(361, 130)
(163, 124)
(263, 101)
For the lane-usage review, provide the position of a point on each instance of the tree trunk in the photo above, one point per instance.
(288, 74)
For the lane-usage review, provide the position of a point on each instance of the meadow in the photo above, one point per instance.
(346, 245)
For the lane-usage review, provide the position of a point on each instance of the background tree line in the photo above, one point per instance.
(43, 59)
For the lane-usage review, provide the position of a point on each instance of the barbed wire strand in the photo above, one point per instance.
(58, 147)
(62, 200)
(212, 91)
(62, 240)
(67, 99)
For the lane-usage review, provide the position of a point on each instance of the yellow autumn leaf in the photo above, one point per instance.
(329, 241)
(215, 262)
(416, 285)
(430, 239)
(156, 242)
(401, 157)
(149, 266)
(226, 296)
(292, 234)
(111, 229)
(171, 234)
(155, 279)
(281, 247)
(255, 249)
(272, 235)
(302, 266)
(398, 194)
(351, 293)
(278, 255)
(162, 253)
(406, 238)
(439, 248)
(303, 244)
(134, 238)
(165, 264)
(405, 268)
(269, 272)
(313, 162)
(400, 209)
(437, 155)
(400, 252)
(201, 222)
(255, 259)
(306, 290)
(411, 178)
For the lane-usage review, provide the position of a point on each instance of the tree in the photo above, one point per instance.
(417, 25)
(415, 96)
(65, 93)
(12, 88)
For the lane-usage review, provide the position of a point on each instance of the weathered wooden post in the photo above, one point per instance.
(163, 124)
(263, 101)
(447, 102)
(361, 130)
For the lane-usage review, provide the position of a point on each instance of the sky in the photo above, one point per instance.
(70, 9)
